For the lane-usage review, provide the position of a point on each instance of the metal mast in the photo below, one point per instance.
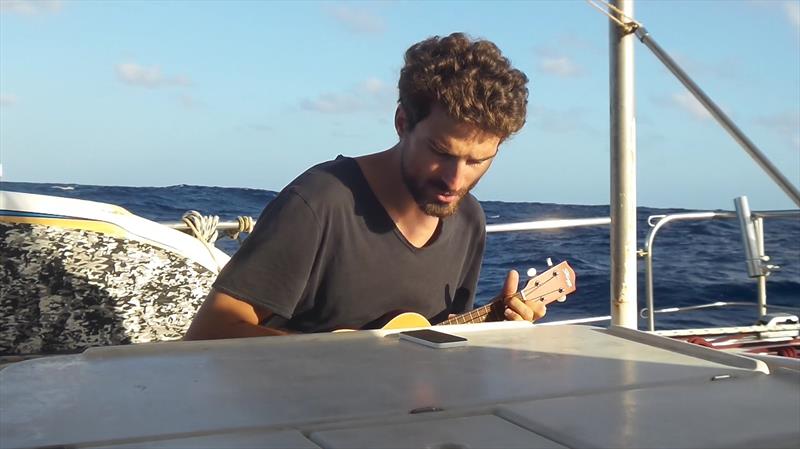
(623, 171)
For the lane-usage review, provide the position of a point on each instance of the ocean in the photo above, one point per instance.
(695, 262)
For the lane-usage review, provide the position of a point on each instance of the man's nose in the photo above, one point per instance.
(453, 174)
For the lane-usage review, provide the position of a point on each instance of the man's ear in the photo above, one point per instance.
(400, 121)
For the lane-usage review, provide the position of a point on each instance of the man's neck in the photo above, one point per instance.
(384, 176)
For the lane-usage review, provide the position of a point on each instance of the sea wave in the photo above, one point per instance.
(694, 263)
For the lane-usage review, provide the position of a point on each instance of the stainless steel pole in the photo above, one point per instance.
(720, 116)
(623, 173)
(758, 223)
(651, 318)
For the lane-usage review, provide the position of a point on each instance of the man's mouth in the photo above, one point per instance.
(447, 197)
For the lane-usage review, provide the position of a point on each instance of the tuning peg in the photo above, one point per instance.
(549, 262)
(562, 299)
(531, 272)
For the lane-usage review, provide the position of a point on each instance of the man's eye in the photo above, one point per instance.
(440, 153)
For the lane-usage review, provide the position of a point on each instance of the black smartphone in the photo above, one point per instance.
(432, 338)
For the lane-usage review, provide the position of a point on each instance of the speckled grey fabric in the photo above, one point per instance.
(65, 290)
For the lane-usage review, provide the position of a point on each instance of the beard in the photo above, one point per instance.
(425, 191)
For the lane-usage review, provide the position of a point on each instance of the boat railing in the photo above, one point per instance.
(183, 227)
(548, 224)
(234, 226)
(656, 223)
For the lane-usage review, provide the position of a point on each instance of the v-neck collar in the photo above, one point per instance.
(438, 233)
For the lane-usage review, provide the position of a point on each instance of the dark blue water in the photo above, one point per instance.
(695, 262)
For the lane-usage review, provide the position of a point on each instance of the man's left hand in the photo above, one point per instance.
(517, 309)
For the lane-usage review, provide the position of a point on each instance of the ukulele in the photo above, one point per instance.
(552, 285)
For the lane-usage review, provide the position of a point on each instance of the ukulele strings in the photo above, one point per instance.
(526, 292)
(487, 309)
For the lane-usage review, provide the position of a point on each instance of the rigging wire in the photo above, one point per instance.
(629, 26)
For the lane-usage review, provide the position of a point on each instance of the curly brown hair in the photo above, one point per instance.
(472, 80)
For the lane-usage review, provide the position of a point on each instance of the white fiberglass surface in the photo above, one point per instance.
(177, 388)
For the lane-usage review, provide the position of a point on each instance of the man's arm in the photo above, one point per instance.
(223, 316)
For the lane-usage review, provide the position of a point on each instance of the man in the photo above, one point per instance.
(353, 239)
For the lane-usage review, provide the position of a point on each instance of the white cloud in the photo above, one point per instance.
(576, 42)
(334, 104)
(357, 20)
(138, 75)
(561, 66)
(553, 58)
(188, 101)
(30, 7)
(729, 68)
(786, 125)
(259, 127)
(372, 94)
(557, 121)
(685, 101)
(8, 100)
(374, 86)
(792, 10)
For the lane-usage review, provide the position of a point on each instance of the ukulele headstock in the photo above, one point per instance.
(552, 285)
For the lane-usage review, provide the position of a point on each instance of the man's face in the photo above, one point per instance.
(442, 160)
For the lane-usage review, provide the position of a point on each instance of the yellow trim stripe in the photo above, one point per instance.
(69, 223)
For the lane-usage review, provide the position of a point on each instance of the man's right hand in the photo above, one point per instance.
(223, 316)
(515, 308)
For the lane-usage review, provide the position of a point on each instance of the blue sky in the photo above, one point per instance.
(249, 94)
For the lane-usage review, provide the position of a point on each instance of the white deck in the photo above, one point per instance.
(512, 386)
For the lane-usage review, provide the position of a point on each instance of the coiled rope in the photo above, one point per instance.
(204, 228)
(245, 225)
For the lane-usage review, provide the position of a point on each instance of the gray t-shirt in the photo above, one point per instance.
(326, 255)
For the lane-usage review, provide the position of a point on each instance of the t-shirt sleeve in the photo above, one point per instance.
(272, 267)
